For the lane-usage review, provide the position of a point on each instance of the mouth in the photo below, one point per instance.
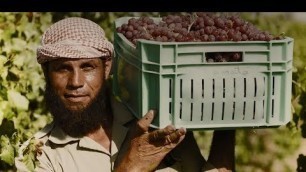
(76, 97)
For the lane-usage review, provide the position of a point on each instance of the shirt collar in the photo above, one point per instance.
(58, 136)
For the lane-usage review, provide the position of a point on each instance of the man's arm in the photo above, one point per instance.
(222, 151)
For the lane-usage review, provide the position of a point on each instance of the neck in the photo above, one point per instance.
(103, 134)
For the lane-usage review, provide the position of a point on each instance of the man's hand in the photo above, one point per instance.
(147, 149)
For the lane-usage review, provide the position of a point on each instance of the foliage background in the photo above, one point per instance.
(22, 109)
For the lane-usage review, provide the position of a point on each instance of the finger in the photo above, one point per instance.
(175, 137)
(161, 133)
(169, 129)
(144, 123)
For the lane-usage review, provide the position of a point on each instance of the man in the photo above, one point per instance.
(92, 131)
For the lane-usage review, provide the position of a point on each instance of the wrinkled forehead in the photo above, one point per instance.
(73, 63)
(77, 61)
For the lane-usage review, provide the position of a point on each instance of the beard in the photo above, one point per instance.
(80, 122)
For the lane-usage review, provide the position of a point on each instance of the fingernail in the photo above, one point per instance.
(153, 111)
(182, 131)
(150, 115)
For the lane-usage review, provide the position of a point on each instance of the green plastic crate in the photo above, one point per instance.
(175, 79)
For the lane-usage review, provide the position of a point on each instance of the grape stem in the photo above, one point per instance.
(193, 19)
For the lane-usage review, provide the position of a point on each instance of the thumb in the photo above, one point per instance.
(144, 123)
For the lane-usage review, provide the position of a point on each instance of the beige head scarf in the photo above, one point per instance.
(73, 37)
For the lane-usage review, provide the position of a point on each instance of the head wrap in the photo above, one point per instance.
(73, 37)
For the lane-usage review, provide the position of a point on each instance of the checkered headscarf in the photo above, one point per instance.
(73, 37)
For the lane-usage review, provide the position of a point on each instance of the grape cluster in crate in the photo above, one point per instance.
(196, 27)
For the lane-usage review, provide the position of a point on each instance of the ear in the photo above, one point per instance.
(107, 66)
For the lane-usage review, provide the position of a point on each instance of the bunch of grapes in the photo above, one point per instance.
(223, 57)
(195, 27)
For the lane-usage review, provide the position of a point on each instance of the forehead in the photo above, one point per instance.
(70, 61)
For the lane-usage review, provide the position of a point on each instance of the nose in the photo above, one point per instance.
(76, 79)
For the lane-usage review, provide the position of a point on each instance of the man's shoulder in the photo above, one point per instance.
(40, 136)
(32, 147)
(44, 132)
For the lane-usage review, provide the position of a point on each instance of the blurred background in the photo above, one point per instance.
(22, 109)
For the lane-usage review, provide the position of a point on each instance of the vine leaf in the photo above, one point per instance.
(18, 100)
(7, 150)
(30, 153)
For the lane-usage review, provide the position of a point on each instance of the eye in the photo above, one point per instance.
(87, 67)
(62, 68)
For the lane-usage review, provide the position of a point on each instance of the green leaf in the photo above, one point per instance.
(19, 60)
(45, 21)
(5, 107)
(7, 150)
(18, 44)
(296, 106)
(1, 116)
(30, 152)
(3, 59)
(17, 100)
(29, 161)
(3, 69)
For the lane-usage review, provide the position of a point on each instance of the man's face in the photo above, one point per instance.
(76, 82)
(76, 94)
